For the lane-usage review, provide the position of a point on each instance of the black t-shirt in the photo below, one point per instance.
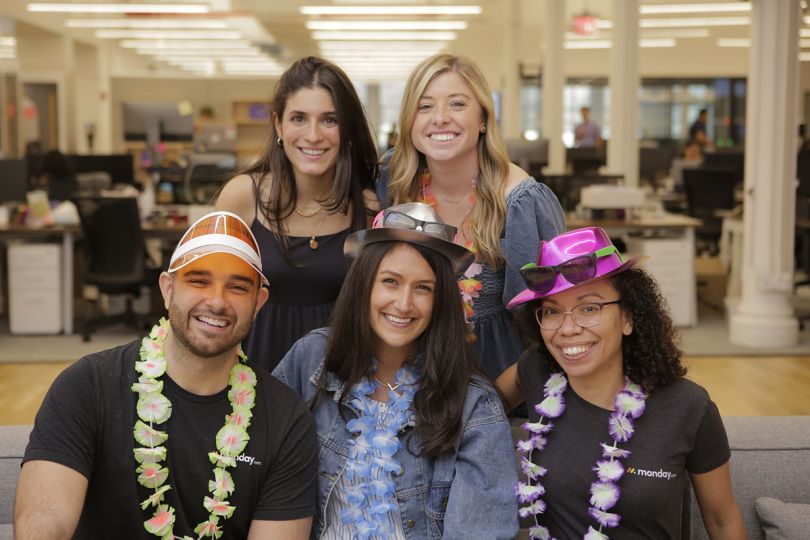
(680, 432)
(86, 423)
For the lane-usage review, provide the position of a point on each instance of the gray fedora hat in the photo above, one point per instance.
(414, 223)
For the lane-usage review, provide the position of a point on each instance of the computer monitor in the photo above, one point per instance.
(13, 180)
(531, 156)
(653, 163)
(120, 167)
(156, 121)
(729, 159)
(585, 161)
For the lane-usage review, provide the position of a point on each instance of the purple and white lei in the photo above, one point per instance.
(371, 462)
(629, 405)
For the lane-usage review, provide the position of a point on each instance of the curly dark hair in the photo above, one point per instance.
(651, 354)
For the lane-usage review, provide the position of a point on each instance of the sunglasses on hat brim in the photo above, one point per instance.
(398, 220)
(579, 269)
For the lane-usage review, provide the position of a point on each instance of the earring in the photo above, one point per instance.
(483, 129)
(280, 142)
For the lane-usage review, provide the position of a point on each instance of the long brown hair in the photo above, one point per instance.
(445, 357)
(407, 163)
(356, 167)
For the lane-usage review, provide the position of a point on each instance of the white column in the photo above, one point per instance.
(103, 140)
(510, 78)
(622, 149)
(553, 83)
(765, 314)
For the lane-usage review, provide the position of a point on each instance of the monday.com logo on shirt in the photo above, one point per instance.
(660, 473)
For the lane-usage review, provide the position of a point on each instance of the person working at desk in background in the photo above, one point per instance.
(450, 155)
(56, 176)
(312, 187)
(697, 131)
(614, 427)
(87, 473)
(587, 134)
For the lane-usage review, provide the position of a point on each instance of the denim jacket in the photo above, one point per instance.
(466, 494)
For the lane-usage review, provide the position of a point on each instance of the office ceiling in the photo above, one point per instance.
(279, 27)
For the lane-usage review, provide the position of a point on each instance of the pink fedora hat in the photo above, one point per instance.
(568, 260)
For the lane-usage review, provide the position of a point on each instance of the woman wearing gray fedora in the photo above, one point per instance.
(414, 441)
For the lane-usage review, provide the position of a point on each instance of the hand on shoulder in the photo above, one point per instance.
(515, 176)
(237, 196)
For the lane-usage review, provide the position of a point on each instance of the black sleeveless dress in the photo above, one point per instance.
(303, 289)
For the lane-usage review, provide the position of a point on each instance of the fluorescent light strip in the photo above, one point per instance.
(8, 41)
(719, 7)
(380, 45)
(606, 43)
(699, 21)
(177, 44)
(804, 57)
(117, 8)
(375, 54)
(657, 43)
(804, 43)
(385, 25)
(200, 52)
(676, 33)
(804, 32)
(384, 36)
(166, 34)
(733, 42)
(146, 24)
(390, 10)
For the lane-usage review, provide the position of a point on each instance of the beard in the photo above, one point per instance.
(202, 346)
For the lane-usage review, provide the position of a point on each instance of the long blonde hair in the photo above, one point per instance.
(407, 163)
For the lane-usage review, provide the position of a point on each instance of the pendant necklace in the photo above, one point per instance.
(313, 243)
(392, 387)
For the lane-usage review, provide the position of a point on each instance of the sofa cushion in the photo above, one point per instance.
(783, 521)
(770, 457)
(13, 440)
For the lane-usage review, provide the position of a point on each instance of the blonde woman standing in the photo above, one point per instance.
(451, 156)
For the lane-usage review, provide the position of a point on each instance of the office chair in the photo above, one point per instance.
(205, 175)
(117, 258)
(708, 190)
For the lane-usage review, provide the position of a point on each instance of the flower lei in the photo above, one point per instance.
(629, 405)
(470, 288)
(371, 459)
(154, 408)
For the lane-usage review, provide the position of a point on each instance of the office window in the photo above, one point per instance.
(593, 94)
(531, 111)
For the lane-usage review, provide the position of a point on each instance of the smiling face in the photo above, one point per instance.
(593, 353)
(449, 120)
(401, 302)
(212, 302)
(310, 133)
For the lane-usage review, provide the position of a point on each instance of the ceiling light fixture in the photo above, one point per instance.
(675, 33)
(384, 36)
(147, 24)
(656, 43)
(719, 7)
(166, 34)
(386, 25)
(390, 10)
(249, 53)
(733, 42)
(117, 8)
(8, 41)
(178, 44)
(380, 45)
(606, 43)
(697, 21)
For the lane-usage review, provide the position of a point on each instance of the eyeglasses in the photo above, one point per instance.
(585, 315)
(581, 268)
(398, 220)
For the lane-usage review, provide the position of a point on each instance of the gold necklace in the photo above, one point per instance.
(307, 211)
(313, 243)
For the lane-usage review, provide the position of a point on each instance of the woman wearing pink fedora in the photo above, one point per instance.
(614, 427)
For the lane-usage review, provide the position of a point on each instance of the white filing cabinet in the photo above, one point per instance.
(35, 288)
(672, 264)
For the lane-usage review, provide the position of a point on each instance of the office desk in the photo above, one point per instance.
(669, 241)
(67, 235)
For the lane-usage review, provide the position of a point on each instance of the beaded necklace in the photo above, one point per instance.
(629, 405)
(154, 408)
(470, 288)
(371, 460)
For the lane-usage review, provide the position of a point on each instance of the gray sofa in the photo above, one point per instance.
(770, 458)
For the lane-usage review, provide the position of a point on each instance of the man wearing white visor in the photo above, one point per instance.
(176, 436)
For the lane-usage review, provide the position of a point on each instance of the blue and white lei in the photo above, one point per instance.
(371, 462)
